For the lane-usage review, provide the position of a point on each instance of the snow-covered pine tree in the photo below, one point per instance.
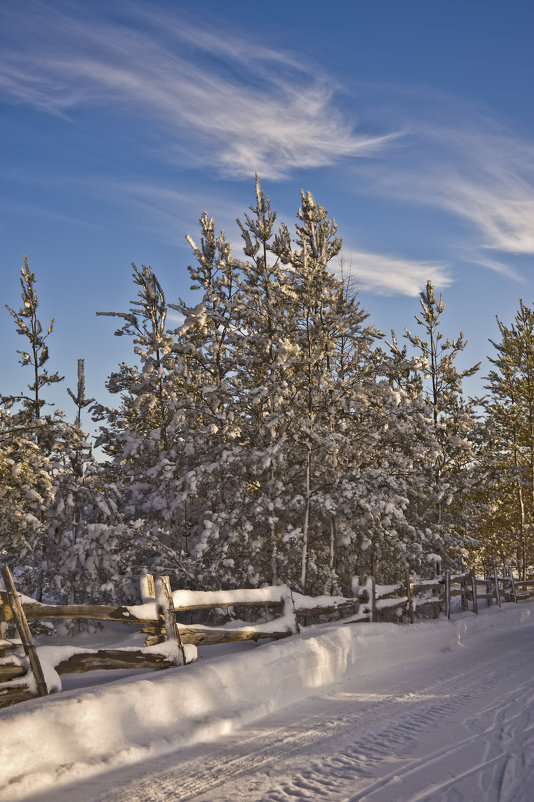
(332, 344)
(84, 560)
(507, 530)
(441, 502)
(145, 437)
(30, 434)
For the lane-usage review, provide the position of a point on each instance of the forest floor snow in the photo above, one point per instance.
(438, 711)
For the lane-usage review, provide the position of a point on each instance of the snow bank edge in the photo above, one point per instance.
(74, 735)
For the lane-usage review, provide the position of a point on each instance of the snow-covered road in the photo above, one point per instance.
(453, 725)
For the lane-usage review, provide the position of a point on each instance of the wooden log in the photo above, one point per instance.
(24, 631)
(165, 608)
(277, 606)
(431, 585)
(148, 588)
(496, 585)
(210, 637)
(10, 671)
(109, 659)
(428, 602)
(514, 592)
(121, 614)
(409, 589)
(372, 599)
(12, 695)
(92, 612)
(6, 613)
(316, 611)
(6, 646)
(465, 605)
(474, 593)
(289, 611)
(448, 593)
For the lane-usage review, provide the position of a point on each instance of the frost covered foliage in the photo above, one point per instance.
(443, 498)
(506, 527)
(268, 438)
(55, 525)
(264, 440)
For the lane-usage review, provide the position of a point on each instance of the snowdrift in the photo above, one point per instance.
(79, 733)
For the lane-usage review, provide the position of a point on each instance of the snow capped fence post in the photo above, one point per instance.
(24, 631)
(148, 589)
(474, 592)
(165, 608)
(496, 583)
(288, 611)
(512, 583)
(448, 592)
(410, 605)
(370, 587)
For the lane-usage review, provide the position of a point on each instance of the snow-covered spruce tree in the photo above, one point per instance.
(84, 561)
(330, 336)
(442, 502)
(25, 494)
(313, 451)
(144, 437)
(507, 529)
(252, 523)
(29, 434)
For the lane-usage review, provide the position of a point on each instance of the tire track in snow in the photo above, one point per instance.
(328, 776)
(501, 728)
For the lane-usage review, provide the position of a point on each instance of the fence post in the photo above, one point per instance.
(147, 587)
(165, 607)
(465, 603)
(474, 591)
(24, 631)
(408, 581)
(512, 581)
(448, 592)
(370, 587)
(288, 611)
(496, 582)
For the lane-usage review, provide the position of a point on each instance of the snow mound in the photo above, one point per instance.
(81, 733)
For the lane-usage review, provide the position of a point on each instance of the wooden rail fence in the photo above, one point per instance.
(167, 641)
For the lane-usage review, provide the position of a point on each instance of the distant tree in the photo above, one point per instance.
(508, 528)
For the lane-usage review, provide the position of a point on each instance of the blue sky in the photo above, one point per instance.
(411, 121)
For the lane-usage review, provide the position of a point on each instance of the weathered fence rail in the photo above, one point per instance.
(168, 641)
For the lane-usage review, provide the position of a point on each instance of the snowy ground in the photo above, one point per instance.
(434, 711)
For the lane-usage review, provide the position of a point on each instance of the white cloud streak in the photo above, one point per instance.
(466, 164)
(391, 275)
(219, 99)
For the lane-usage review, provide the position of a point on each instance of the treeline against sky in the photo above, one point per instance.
(272, 436)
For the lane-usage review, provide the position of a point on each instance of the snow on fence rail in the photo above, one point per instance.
(170, 643)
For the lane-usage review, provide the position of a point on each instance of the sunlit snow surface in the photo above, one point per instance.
(436, 711)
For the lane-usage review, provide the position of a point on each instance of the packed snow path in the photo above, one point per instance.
(456, 725)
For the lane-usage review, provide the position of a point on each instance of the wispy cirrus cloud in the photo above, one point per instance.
(216, 100)
(393, 275)
(460, 159)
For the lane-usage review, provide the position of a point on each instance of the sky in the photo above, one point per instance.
(411, 121)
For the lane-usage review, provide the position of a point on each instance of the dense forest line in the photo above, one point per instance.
(274, 436)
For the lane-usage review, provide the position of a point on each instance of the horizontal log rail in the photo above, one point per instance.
(91, 612)
(374, 602)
